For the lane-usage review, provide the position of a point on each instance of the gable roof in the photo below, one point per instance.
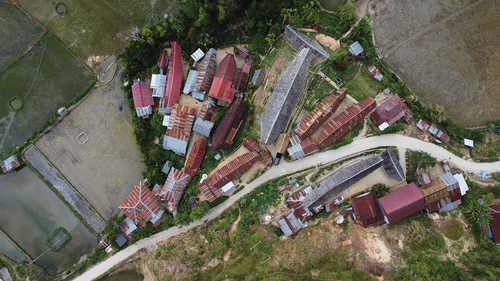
(287, 93)
(301, 149)
(258, 77)
(197, 55)
(289, 224)
(204, 124)
(299, 40)
(10, 164)
(240, 82)
(141, 93)
(140, 204)
(158, 82)
(174, 186)
(356, 48)
(367, 209)
(190, 81)
(179, 128)
(207, 70)
(221, 86)
(495, 222)
(390, 111)
(174, 76)
(462, 183)
(227, 68)
(392, 166)
(242, 50)
(321, 113)
(229, 125)
(251, 144)
(163, 60)
(195, 158)
(401, 203)
(246, 68)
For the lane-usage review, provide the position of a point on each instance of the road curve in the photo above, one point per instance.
(287, 168)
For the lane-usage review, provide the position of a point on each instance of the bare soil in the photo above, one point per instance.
(328, 41)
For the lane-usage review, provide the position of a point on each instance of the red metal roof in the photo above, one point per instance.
(174, 186)
(174, 76)
(402, 202)
(227, 68)
(345, 121)
(367, 209)
(495, 222)
(242, 50)
(140, 204)
(265, 158)
(246, 68)
(221, 86)
(207, 70)
(195, 158)
(163, 60)
(390, 111)
(251, 144)
(231, 120)
(142, 94)
(425, 179)
(181, 122)
(321, 113)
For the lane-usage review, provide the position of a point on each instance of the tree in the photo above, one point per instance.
(344, 64)
(381, 189)
(347, 13)
(193, 34)
(436, 113)
(198, 212)
(477, 213)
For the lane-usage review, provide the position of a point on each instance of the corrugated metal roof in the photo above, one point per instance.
(203, 127)
(221, 89)
(174, 186)
(390, 111)
(166, 168)
(163, 60)
(435, 192)
(461, 183)
(321, 113)
(140, 204)
(197, 55)
(422, 125)
(289, 223)
(468, 142)
(356, 48)
(425, 180)
(231, 120)
(158, 82)
(246, 68)
(207, 70)
(141, 93)
(299, 41)
(251, 144)
(242, 50)
(345, 121)
(191, 81)
(375, 73)
(301, 149)
(258, 77)
(367, 209)
(128, 226)
(402, 202)
(9, 164)
(179, 127)
(495, 222)
(195, 158)
(174, 76)
(265, 158)
(240, 82)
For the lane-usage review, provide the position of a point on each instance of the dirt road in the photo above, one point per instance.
(284, 168)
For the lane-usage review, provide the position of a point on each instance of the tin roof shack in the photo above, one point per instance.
(287, 93)
(197, 55)
(241, 51)
(143, 99)
(174, 79)
(296, 202)
(373, 70)
(301, 149)
(141, 204)
(179, 128)
(390, 112)
(392, 167)
(158, 82)
(10, 164)
(340, 181)
(289, 224)
(494, 231)
(212, 186)
(204, 124)
(424, 180)
(401, 203)
(128, 226)
(229, 126)
(239, 84)
(345, 121)
(439, 134)
(356, 48)
(221, 86)
(443, 195)
(195, 158)
(172, 190)
(206, 70)
(300, 41)
(258, 77)
(422, 125)
(163, 59)
(367, 210)
(320, 114)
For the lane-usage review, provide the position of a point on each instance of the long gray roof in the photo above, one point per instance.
(287, 93)
(340, 181)
(392, 166)
(299, 40)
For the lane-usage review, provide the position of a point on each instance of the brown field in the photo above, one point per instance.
(446, 50)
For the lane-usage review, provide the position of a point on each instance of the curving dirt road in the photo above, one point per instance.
(284, 168)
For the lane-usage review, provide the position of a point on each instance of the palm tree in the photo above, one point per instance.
(478, 213)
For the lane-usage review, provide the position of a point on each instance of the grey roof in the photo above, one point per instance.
(356, 48)
(258, 77)
(166, 168)
(121, 240)
(176, 145)
(287, 93)
(392, 166)
(191, 81)
(198, 94)
(299, 41)
(203, 127)
(449, 179)
(340, 181)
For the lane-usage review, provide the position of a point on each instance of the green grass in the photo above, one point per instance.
(329, 4)
(321, 90)
(46, 79)
(89, 27)
(454, 230)
(363, 85)
(141, 12)
(17, 33)
(281, 49)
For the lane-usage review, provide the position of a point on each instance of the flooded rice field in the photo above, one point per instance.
(10, 250)
(31, 211)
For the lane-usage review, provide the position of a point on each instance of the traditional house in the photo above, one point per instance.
(190, 84)
(229, 126)
(356, 48)
(494, 226)
(367, 210)
(345, 121)
(258, 77)
(392, 166)
(212, 186)
(320, 114)
(163, 60)
(301, 149)
(287, 93)
(204, 123)
(401, 203)
(207, 70)
(390, 112)
(195, 158)
(179, 128)
(221, 86)
(443, 194)
(158, 82)
(141, 204)
(174, 79)
(171, 192)
(10, 164)
(373, 70)
(143, 99)
(300, 41)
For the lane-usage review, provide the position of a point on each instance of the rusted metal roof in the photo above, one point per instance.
(422, 125)
(375, 73)
(9, 164)
(174, 76)
(179, 128)
(390, 111)
(265, 158)
(203, 124)
(207, 70)
(231, 120)
(345, 121)
(142, 95)
(242, 50)
(246, 68)
(221, 89)
(195, 158)
(321, 113)
(140, 204)
(367, 209)
(435, 192)
(425, 180)
(163, 60)
(495, 222)
(301, 149)
(289, 224)
(174, 186)
(240, 82)
(282, 143)
(401, 203)
(251, 144)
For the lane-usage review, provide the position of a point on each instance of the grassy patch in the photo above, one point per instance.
(453, 230)
(363, 85)
(142, 12)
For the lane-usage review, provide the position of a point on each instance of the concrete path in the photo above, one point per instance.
(289, 168)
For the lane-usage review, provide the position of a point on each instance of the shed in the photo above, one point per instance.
(401, 203)
(190, 84)
(425, 180)
(166, 167)
(289, 224)
(422, 125)
(227, 187)
(158, 82)
(356, 48)
(197, 55)
(121, 240)
(468, 142)
(258, 77)
(373, 70)
(10, 164)
(241, 51)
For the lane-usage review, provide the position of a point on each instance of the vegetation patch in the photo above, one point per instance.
(453, 230)
(16, 103)
(61, 8)
(58, 239)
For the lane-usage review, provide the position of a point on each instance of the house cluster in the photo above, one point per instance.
(10, 164)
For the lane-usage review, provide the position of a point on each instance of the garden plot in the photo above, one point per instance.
(446, 51)
(31, 213)
(94, 147)
(45, 79)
